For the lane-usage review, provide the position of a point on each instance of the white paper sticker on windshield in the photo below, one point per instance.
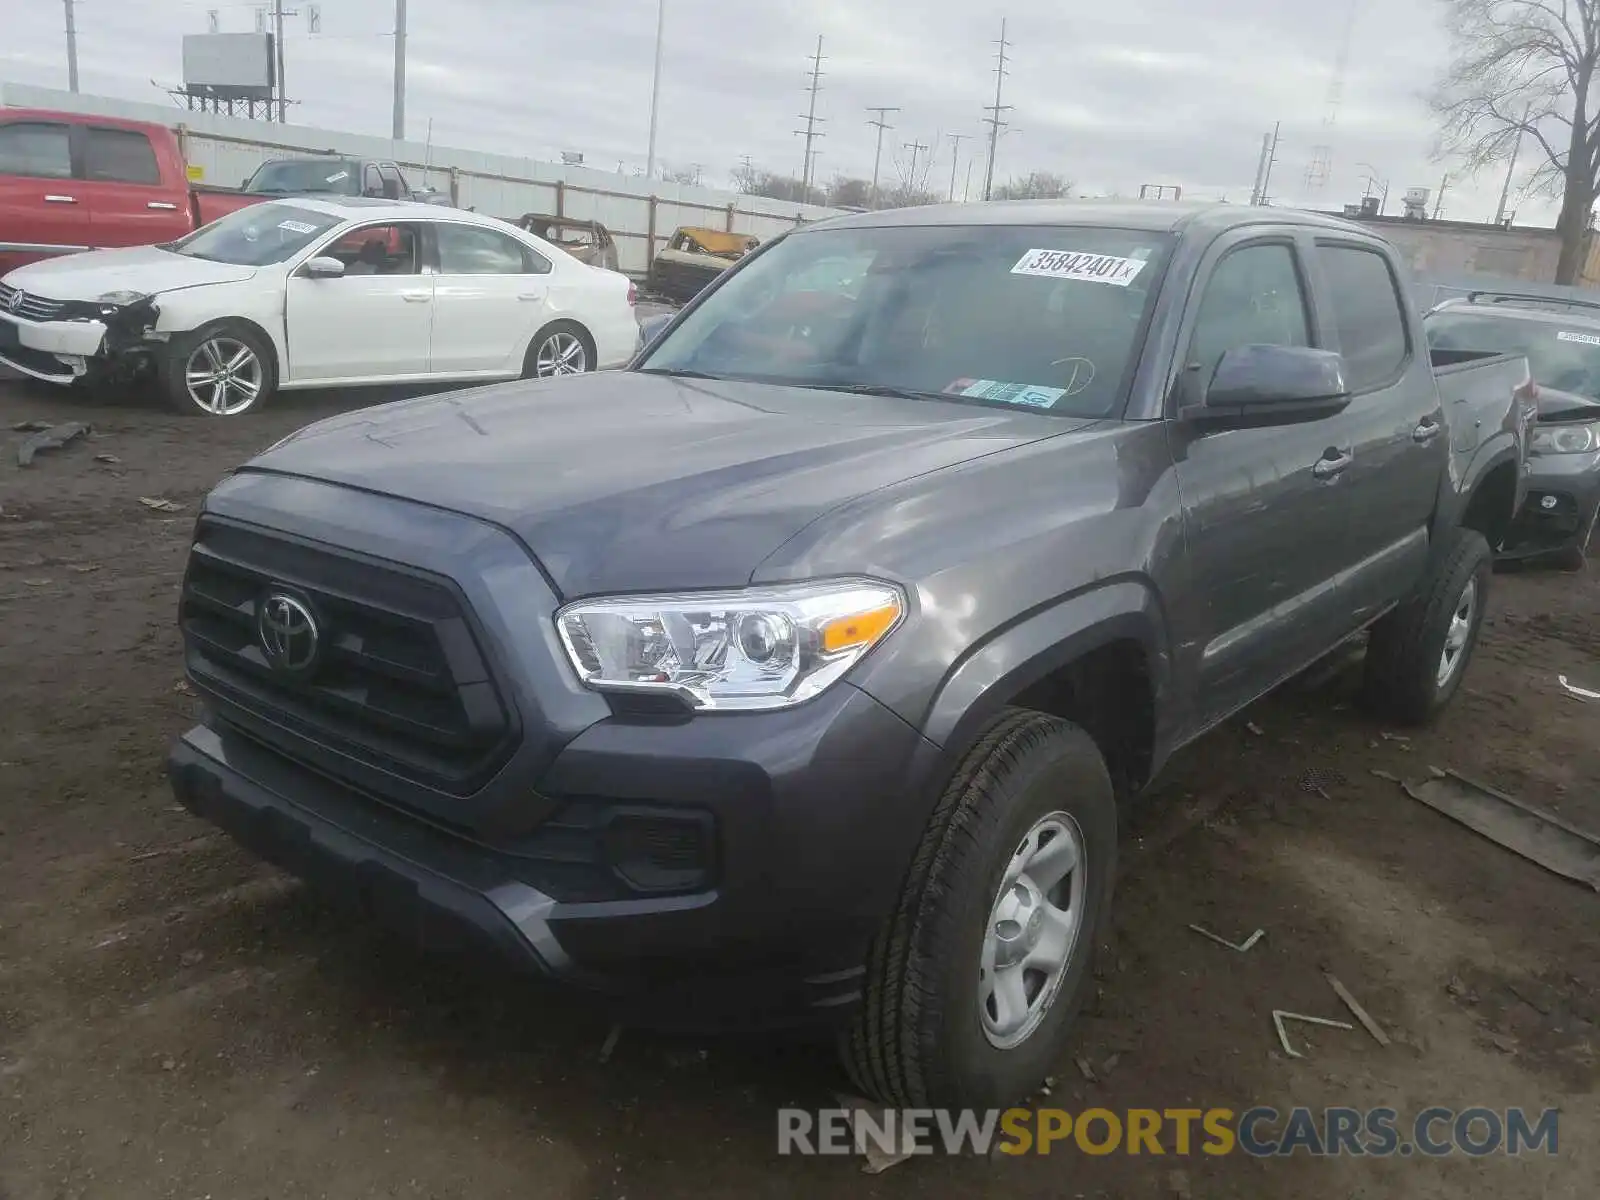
(297, 227)
(1072, 264)
(1588, 339)
(1007, 393)
(339, 176)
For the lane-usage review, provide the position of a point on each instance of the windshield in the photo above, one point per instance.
(1566, 359)
(306, 175)
(1042, 317)
(256, 236)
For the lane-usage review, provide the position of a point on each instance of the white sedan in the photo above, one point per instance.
(325, 292)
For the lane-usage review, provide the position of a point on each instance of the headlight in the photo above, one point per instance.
(120, 298)
(1566, 439)
(756, 648)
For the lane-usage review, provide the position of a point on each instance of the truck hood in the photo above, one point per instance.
(1566, 406)
(143, 269)
(624, 481)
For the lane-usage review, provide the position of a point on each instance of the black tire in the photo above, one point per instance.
(919, 1038)
(551, 333)
(1406, 653)
(175, 365)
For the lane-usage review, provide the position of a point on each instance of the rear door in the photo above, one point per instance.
(41, 211)
(1263, 521)
(1394, 427)
(374, 322)
(490, 298)
(128, 203)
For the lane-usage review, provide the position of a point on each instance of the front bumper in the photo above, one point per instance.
(1559, 509)
(54, 351)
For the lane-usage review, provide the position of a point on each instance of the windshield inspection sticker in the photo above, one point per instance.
(1007, 393)
(1588, 339)
(297, 227)
(1071, 264)
(339, 176)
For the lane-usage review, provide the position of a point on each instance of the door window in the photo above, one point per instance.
(1253, 298)
(121, 156)
(37, 149)
(1367, 314)
(377, 250)
(473, 250)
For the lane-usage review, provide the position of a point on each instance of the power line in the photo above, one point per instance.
(955, 157)
(994, 110)
(882, 124)
(811, 119)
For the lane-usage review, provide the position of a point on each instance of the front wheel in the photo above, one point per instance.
(560, 348)
(974, 980)
(223, 370)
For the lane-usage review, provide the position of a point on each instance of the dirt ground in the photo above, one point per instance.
(179, 1021)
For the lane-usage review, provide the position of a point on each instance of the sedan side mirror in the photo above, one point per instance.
(652, 327)
(1273, 385)
(324, 267)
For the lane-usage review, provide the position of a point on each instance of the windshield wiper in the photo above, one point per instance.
(678, 373)
(883, 389)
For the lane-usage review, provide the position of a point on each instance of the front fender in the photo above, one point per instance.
(995, 670)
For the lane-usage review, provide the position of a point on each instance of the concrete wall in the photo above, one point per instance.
(640, 214)
(1442, 250)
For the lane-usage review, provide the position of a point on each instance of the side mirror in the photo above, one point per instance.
(324, 267)
(1273, 385)
(652, 327)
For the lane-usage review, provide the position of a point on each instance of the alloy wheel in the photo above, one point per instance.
(561, 354)
(223, 376)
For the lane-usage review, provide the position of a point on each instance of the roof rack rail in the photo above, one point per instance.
(1495, 297)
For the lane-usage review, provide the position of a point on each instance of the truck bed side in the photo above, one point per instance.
(1488, 400)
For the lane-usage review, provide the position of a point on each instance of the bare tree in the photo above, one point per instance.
(845, 192)
(752, 181)
(683, 175)
(1525, 67)
(1035, 185)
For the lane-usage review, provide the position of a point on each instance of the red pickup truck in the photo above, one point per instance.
(70, 181)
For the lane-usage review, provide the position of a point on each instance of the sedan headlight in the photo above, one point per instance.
(1576, 438)
(121, 298)
(756, 648)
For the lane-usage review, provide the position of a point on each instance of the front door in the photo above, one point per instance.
(1262, 520)
(373, 323)
(122, 189)
(41, 213)
(492, 293)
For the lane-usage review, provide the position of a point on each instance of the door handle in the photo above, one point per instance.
(416, 297)
(1426, 431)
(530, 295)
(162, 204)
(60, 199)
(1332, 464)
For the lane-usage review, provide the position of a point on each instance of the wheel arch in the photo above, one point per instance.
(1491, 494)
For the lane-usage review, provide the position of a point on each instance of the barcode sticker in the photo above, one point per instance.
(1028, 394)
(1588, 339)
(297, 227)
(1072, 264)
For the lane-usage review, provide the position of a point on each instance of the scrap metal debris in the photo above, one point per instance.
(1241, 947)
(160, 504)
(879, 1157)
(1539, 836)
(1254, 728)
(31, 426)
(51, 437)
(1580, 693)
(1360, 1013)
(610, 1043)
(110, 459)
(1279, 1017)
(1085, 1069)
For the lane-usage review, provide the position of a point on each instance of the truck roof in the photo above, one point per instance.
(1163, 216)
(12, 115)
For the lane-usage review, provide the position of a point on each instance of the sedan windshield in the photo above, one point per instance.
(257, 236)
(1042, 317)
(300, 176)
(1566, 359)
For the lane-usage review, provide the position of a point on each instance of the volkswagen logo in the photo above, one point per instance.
(288, 633)
(15, 302)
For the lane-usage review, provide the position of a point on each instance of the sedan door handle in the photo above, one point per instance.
(530, 295)
(1427, 431)
(416, 297)
(1333, 463)
(60, 199)
(163, 205)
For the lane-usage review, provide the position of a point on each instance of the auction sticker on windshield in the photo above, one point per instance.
(1588, 339)
(1007, 393)
(1072, 264)
(297, 227)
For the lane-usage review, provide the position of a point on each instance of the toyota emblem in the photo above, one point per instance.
(288, 633)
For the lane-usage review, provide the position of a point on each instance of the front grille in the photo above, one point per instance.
(399, 681)
(30, 307)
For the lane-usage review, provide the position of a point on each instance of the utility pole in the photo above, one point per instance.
(1272, 157)
(1438, 201)
(72, 47)
(955, 156)
(993, 119)
(915, 148)
(655, 88)
(400, 71)
(1516, 148)
(1261, 169)
(277, 37)
(882, 123)
(810, 131)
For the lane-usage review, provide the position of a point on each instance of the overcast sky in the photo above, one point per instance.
(1110, 95)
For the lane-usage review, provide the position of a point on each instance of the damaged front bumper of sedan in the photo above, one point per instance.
(63, 341)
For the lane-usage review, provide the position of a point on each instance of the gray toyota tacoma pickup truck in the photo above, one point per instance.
(797, 672)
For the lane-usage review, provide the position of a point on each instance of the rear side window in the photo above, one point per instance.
(121, 156)
(472, 250)
(37, 149)
(1367, 314)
